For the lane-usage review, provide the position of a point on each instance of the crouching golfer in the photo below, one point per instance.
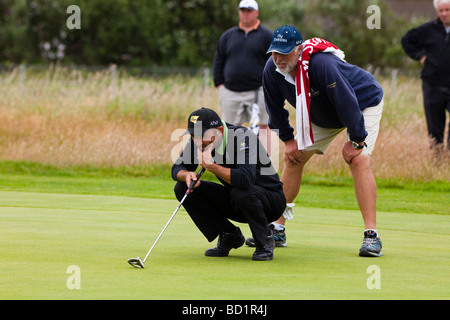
(250, 190)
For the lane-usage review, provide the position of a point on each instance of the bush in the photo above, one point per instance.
(134, 32)
(344, 23)
(137, 32)
(183, 32)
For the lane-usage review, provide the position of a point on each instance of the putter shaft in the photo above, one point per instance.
(165, 227)
(191, 187)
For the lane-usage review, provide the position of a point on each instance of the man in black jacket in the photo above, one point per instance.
(430, 44)
(250, 190)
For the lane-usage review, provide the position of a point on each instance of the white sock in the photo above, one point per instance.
(277, 226)
(372, 230)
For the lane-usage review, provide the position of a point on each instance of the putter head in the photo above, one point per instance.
(136, 262)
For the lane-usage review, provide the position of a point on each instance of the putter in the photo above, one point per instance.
(138, 262)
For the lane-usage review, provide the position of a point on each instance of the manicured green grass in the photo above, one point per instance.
(100, 222)
(315, 191)
(97, 218)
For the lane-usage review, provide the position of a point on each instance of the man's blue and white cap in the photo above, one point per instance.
(285, 39)
(248, 4)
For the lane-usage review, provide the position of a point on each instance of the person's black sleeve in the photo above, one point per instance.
(413, 42)
(186, 161)
(219, 63)
(243, 175)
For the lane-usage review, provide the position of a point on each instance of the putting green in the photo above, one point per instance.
(42, 235)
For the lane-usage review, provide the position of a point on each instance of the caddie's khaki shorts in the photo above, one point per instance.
(324, 136)
(236, 107)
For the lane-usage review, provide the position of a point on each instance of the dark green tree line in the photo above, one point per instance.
(182, 32)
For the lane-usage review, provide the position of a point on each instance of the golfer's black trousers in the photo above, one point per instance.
(212, 205)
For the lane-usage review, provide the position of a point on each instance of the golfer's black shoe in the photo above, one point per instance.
(265, 253)
(226, 242)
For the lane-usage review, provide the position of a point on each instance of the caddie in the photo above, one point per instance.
(329, 95)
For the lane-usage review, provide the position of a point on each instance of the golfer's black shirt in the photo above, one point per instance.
(243, 153)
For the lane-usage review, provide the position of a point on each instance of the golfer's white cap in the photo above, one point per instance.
(248, 4)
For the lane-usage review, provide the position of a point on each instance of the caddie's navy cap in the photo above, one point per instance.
(201, 120)
(285, 39)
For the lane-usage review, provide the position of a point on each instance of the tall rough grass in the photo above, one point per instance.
(69, 117)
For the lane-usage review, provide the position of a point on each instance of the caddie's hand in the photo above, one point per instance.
(291, 152)
(348, 152)
(192, 176)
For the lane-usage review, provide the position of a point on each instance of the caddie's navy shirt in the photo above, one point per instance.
(339, 93)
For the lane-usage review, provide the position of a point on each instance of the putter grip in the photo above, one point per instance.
(199, 174)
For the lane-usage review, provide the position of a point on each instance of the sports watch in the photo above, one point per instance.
(357, 146)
